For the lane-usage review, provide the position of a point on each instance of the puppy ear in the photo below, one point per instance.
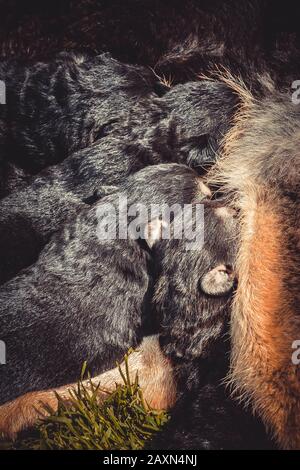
(154, 231)
(218, 281)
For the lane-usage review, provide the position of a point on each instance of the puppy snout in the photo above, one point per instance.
(225, 212)
(220, 208)
(204, 190)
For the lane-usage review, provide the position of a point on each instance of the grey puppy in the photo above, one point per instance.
(192, 291)
(85, 298)
(55, 108)
(124, 126)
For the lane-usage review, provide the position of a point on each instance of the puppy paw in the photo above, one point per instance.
(25, 412)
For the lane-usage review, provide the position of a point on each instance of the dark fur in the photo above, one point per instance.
(81, 280)
(99, 108)
(83, 299)
(206, 418)
(180, 38)
(56, 108)
(53, 109)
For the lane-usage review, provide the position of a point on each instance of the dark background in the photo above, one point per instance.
(37, 28)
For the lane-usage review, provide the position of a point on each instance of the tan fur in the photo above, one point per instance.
(263, 325)
(155, 378)
(204, 190)
(258, 167)
(259, 164)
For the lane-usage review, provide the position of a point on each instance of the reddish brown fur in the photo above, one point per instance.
(263, 324)
(260, 171)
(265, 317)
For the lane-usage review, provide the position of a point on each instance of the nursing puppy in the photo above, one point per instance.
(203, 271)
(186, 125)
(85, 297)
(192, 301)
(54, 108)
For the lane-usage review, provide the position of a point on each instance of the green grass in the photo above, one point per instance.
(124, 421)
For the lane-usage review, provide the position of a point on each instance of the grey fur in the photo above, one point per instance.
(185, 125)
(84, 298)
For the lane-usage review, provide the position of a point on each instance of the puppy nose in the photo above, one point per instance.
(225, 212)
(205, 189)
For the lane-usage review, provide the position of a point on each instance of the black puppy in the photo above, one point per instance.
(53, 109)
(84, 297)
(185, 125)
(192, 300)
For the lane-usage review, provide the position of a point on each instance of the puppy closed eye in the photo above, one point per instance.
(218, 281)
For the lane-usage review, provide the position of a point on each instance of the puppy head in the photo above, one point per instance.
(194, 288)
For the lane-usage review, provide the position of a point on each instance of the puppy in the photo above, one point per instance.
(52, 109)
(188, 365)
(186, 125)
(192, 299)
(55, 108)
(85, 297)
